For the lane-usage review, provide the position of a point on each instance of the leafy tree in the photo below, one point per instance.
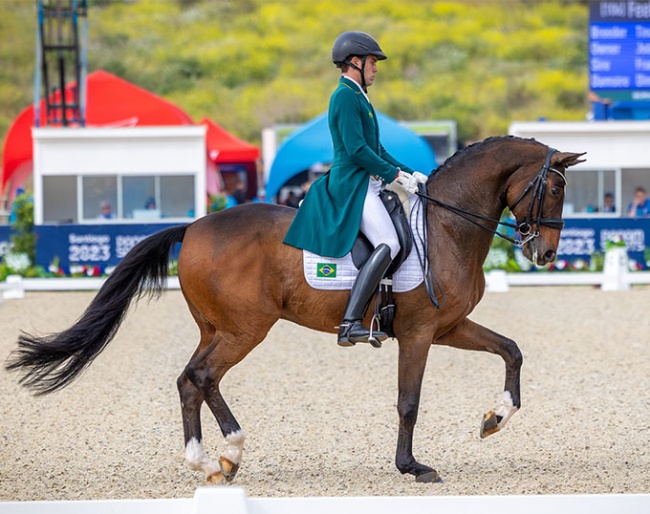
(22, 225)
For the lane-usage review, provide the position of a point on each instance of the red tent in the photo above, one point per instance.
(224, 148)
(112, 101)
(232, 155)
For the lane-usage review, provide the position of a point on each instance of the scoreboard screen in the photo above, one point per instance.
(619, 46)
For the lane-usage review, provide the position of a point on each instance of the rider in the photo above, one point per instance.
(346, 199)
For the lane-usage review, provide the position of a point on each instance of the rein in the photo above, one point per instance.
(525, 228)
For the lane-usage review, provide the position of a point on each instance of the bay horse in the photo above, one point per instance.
(238, 279)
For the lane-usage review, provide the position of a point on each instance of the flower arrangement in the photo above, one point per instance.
(616, 242)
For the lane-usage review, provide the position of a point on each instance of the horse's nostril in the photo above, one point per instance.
(549, 256)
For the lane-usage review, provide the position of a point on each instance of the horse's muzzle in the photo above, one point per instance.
(536, 255)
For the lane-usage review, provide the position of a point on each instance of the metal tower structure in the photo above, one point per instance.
(60, 67)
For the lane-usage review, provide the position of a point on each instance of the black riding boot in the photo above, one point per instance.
(351, 330)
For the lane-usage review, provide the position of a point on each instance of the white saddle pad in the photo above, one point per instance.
(330, 273)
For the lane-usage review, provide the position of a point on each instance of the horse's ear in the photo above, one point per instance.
(567, 159)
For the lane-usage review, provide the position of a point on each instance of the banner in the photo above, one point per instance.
(92, 249)
(581, 238)
(88, 249)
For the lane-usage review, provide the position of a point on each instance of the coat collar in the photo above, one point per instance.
(348, 82)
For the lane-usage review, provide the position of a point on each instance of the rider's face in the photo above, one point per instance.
(370, 69)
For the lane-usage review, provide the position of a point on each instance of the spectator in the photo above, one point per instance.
(292, 200)
(640, 205)
(608, 203)
(239, 194)
(304, 188)
(106, 213)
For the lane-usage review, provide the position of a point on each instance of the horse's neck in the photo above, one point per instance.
(474, 190)
(475, 187)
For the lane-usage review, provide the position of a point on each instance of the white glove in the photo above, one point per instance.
(420, 177)
(407, 182)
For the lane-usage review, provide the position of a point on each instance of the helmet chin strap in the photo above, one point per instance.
(361, 71)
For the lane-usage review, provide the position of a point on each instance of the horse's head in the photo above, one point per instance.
(536, 198)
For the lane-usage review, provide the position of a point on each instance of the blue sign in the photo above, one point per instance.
(582, 237)
(5, 240)
(619, 45)
(93, 248)
(88, 249)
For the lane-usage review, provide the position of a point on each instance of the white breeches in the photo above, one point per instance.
(375, 221)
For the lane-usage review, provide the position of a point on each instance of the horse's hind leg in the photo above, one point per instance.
(471, 336)
(205, 371)
(191, 401)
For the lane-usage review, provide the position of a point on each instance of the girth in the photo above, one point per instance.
(362, 247)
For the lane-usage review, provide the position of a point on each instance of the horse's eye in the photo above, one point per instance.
(555, 191)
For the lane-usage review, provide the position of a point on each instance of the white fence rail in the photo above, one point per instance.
(497, 281)
(15, 286)
(233, 500)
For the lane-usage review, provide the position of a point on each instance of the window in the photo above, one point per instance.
(139, 198)
(96, 198)
(177, 196)
(586, 191)
(60, 199)
(632, 178)
(99, 197)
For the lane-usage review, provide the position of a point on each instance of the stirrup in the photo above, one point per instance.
(377, 336)
(374, 337)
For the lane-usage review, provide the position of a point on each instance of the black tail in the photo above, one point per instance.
(51, 362)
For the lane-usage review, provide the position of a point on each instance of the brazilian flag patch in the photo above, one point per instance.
(325, 270)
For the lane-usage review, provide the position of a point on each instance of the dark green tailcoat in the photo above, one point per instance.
(328, 220)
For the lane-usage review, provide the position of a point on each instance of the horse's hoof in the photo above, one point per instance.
(429, 477)
(490, 424)
(228, 468)
(216, 478)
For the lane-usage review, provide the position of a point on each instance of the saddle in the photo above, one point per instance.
(362, 247)
(385, 307)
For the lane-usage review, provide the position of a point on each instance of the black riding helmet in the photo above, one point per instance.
(354, 43)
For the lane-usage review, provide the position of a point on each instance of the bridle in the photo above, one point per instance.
(538, 188)
(524, 227)
(533, 219)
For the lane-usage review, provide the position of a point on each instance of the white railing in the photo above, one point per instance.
(499, 281)
(15, 285)
(233, 500)
(612, 279)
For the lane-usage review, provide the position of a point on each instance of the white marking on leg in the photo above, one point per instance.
(506, 409)
(234, 447)
(197, 459)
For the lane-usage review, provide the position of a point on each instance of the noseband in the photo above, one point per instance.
(538, 188)
(525, 227)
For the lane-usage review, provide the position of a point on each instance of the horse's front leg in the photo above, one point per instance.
(412, 361)
(471, 336)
